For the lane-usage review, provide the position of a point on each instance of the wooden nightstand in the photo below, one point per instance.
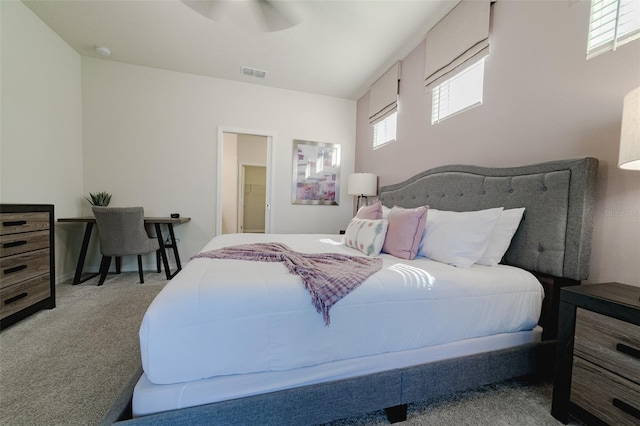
(597, 378)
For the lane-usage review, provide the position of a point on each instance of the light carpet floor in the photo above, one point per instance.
(67, 365)
(510, 403)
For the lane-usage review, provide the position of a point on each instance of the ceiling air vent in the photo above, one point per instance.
(253, 72)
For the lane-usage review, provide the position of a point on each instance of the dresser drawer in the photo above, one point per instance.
(608, 396)
(19, 296)
(20, 267)
(12, 223)
(11, 244)
(609, 343)
(27, 261)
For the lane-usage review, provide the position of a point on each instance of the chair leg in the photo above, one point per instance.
(104, 268)
(140, 269)
(118, 264)
(158, 260)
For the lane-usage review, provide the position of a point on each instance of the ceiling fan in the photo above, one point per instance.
(265, 15)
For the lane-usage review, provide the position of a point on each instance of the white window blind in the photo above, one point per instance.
(459, 93)
(385, 131)
(611, 24)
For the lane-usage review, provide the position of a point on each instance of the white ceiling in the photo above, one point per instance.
(338, 49)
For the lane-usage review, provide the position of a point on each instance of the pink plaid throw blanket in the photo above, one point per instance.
(327, 276)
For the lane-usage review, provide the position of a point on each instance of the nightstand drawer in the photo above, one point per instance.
(11, 223)
(609, 343)
(20, 243)
(19, 296)
(604, 394)
(20, 267)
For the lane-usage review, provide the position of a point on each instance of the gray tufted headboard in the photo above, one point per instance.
(554, 236)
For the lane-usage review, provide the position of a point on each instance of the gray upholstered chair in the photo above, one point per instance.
(122, 233)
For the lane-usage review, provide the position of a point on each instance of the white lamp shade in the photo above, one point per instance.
(630, 133)
(362, 184)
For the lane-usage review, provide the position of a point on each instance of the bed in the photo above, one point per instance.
(257, 352)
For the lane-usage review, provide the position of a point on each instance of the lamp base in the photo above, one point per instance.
(358, 203)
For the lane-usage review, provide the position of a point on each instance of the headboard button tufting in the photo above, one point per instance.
(567, 185)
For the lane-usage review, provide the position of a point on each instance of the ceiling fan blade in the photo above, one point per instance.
(275, 17)
(268, 15)
(208, 8)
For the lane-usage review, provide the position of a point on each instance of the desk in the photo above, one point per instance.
(155, 221)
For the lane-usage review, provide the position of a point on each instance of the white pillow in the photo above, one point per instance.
(385, 212)
(458, 238)
(366, 235)
(501, 236)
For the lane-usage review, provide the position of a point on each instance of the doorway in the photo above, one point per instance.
(251, 203)
(244, 181)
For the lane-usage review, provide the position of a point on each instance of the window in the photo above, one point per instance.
(611, 24)
(459, 93)
(383, 106)
(385, 131)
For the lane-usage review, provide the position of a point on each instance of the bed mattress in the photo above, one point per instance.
(149, 398)
(232, 317)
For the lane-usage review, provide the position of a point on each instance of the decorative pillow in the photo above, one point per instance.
(372, 212)
(385, 212)
(366, 235)
(405, 231)
(501, 236)
(458, 238)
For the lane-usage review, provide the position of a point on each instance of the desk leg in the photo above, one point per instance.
(175, 247)
(163, 252)
(77, 279)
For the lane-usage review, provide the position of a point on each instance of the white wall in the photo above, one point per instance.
(252, 149)
(542, 101)
(230, 187)
(41, 123)
(150, 139)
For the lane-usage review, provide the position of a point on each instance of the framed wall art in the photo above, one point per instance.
(316, 173)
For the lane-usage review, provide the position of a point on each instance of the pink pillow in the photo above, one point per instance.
(372, 212)
(404, 231)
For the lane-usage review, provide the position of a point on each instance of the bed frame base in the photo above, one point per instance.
(396, 414)
(389, 390)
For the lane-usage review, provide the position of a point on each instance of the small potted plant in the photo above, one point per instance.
(99, 199)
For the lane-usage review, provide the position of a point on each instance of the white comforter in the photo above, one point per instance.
(222, 317)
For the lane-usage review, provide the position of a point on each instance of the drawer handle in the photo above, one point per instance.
(620, 347)
(14, 244)
(14, 269)
(15, 298)
(626, 408)
(14, 223)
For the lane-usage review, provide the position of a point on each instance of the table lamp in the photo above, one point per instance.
(630, 132)
(362, 185)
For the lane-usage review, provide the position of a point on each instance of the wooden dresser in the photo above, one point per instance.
(27, 266)
(597, 376)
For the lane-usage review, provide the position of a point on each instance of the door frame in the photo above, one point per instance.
(268, 213)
